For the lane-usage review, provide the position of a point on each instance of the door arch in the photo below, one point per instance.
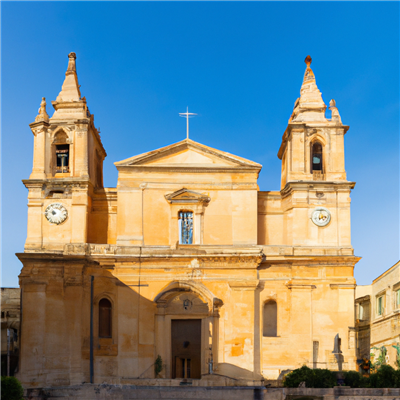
(193, 306)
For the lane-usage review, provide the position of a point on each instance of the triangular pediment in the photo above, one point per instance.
(188, 154)
(186, 196)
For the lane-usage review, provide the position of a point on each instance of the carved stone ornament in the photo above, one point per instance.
(56, 213)
(321, 216)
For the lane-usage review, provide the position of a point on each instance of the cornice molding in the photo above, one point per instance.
(321, 185)
(183, 168)
(343, 286)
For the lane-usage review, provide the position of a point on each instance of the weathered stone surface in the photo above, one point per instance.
(377, 329)
(249, 248)
(124, 392)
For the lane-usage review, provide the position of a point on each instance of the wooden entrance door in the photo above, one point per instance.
(186, 348)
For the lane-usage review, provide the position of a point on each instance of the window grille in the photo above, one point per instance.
(185, 227)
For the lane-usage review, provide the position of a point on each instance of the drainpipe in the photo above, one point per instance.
(8, 350)
(91, 329)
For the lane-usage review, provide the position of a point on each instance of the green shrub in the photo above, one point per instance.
(384, 377)
(323, 378)
(158, 366)
(365, 382)
(313, 378)
(11, 388)
(353, 379)
(397, 378)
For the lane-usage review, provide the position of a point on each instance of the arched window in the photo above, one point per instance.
(185, 227)
(62, 152)
(270, 319)
(316, 157)
(105, 318)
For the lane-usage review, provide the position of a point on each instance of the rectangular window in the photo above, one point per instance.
(360, 311)
(398, 298)
(379, 305)
(185, 227)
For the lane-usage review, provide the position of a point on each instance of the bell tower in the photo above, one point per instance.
(67, 168)
(312, 146)
(313, 175)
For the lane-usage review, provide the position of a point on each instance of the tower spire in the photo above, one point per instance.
(310, 106)
(70, 88)
(69, 104)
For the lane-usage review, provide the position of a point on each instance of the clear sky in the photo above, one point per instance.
(238, 65)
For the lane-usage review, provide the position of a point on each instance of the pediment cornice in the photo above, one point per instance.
(221, 161)
(185, 196)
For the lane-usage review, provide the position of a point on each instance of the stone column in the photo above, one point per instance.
(79, 215)
(160, 328)
(34, 238)
(81, 166)
(33, 334)
(39, 130)
(246, 353)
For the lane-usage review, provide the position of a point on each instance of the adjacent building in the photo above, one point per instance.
(378, 319)
(10, 329)
(186, 269)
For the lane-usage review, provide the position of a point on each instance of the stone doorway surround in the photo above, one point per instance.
(185, 301)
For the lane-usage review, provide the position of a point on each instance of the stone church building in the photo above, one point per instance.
(185, 270)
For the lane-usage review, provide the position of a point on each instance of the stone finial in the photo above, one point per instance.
(71, 62)
(309, 74)
(335, 111)
(70, 89)
(42, 113)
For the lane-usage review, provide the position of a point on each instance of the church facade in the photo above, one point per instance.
(185, 270)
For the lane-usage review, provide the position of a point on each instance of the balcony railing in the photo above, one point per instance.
(62, 170)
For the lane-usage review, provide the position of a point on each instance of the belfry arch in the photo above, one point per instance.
(191, 307)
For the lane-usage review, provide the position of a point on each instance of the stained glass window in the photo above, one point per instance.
(185, 227)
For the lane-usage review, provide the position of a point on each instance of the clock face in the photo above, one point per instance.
(321, 216)
(56, 213)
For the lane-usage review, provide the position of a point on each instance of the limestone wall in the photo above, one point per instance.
(124, 392)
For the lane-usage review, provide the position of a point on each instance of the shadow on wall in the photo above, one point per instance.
(235, 372)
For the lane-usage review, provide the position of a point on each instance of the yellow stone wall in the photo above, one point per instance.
(249, 247)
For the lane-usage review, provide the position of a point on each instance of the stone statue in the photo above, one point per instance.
(335, 111)
(42, 113)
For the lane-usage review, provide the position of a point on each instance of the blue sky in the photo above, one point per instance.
(238, 65)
